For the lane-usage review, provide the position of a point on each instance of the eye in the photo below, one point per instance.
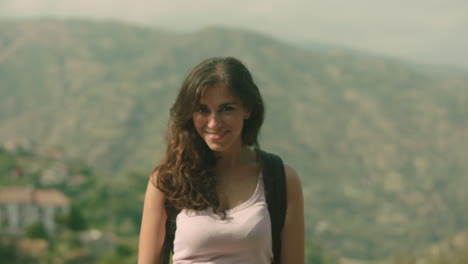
(227, 108)
(202, 109)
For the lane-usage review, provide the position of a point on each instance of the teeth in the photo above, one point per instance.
(215, 134)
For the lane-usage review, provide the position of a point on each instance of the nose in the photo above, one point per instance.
(214, 121)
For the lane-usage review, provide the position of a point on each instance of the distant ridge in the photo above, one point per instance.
(381, 145)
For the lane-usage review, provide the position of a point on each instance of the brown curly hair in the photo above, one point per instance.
(186, 175)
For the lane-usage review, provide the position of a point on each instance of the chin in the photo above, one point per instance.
(217, 148)
(221, 147)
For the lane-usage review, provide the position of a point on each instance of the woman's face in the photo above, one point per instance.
(219, 118)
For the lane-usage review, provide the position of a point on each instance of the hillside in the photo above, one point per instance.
(103, 221)
(381, 145)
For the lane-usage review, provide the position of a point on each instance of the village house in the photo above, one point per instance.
(21, 206)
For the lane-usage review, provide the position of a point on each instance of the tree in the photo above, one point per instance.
(9, 252)
(36, 230)
(76, 221)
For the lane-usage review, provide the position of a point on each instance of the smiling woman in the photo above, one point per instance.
(211, 182)
(219, 118)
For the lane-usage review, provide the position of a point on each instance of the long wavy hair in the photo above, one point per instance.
(186, 175)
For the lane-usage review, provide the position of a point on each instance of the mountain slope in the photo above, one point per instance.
(381, 145)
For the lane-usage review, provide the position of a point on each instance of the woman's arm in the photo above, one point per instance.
(292, 245)
(153, 227)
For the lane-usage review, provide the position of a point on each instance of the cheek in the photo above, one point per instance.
(198, 122)
(238, 123)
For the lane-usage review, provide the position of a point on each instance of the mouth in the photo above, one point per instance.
(217, 135)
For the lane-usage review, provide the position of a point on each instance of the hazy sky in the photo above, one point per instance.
(425, 30)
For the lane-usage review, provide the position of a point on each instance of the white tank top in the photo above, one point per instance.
(243, 237)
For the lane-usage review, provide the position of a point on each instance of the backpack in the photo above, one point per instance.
(274, 180)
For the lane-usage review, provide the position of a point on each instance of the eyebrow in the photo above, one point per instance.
(221, 105)
(226, 104)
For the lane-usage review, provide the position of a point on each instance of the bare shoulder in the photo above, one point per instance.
(153, 178)
(152, 231)
(154, 198)
(292, 247)
(293, 181)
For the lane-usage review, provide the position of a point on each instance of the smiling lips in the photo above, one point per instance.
(216, 135)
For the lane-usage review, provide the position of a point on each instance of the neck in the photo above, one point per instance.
(240, 157)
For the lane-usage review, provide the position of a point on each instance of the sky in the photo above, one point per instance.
(433, 31)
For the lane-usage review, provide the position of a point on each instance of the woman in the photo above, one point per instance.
(212, 173)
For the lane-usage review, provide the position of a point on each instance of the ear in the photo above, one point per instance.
(246, 113)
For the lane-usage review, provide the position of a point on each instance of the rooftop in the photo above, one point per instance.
(29, 195)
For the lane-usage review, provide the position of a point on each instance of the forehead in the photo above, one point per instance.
(218, 94)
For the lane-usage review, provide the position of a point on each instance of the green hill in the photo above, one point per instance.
(381, 145)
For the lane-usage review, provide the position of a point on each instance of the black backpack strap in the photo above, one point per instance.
(171, 226)
(274, 179)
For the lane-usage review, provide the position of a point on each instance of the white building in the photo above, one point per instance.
(21, 206)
